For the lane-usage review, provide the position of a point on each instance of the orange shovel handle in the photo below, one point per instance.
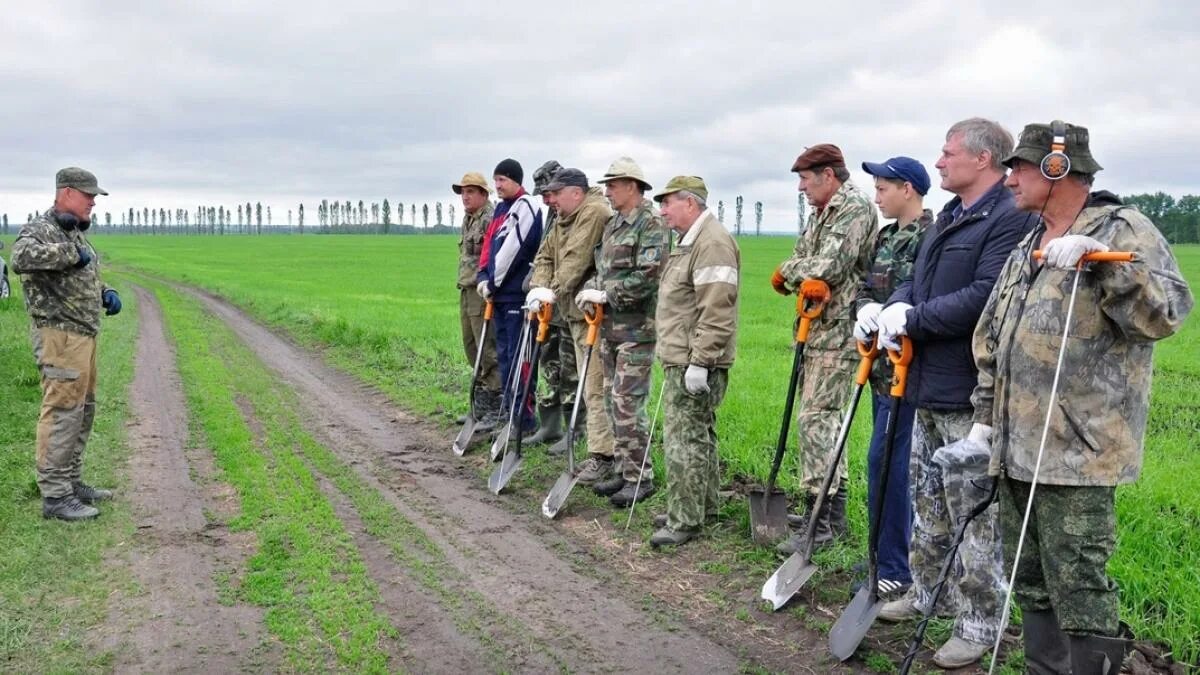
(869, 351)
(900, 360)
(543, 318)
(593, 320)
(487, 311)
(1098, 256)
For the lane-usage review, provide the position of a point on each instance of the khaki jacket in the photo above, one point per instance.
(1121, 309)
(566, 257)
(697, 313)
(470, 246)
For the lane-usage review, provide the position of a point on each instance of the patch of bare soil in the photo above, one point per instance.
(175, 621)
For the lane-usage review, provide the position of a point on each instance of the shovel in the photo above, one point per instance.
(798, 568)
(468, 429)
(768, 507)
(505, 432)
(860, 614)
(511, 461)
(566, 482)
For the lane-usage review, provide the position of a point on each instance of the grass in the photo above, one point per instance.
(54, 577)
(385, 308)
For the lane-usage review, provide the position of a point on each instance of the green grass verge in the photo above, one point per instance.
(55, 578)
(385, 308)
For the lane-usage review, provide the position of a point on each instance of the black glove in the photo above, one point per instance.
(111, 302)
(85, 257)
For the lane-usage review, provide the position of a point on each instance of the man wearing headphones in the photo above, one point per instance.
(1094, 442)
(64, 295)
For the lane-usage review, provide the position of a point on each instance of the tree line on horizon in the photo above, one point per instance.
(1178, 219)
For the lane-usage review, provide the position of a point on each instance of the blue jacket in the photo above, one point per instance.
(514, 243)
(957, 265)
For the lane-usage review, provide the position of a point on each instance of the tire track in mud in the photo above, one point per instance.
(505, 569)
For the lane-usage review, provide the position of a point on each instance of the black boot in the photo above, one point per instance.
(823, 535)
(1097, 654)
(90, 495)
(837, 514)
(551, 426)
(487, 406)
(609, 486)
(632, 491)
(1047, 651)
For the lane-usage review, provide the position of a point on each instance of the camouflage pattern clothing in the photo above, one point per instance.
(896, 247)
(836, 247)
(690, 447)
(629, 262)
(1120, 311)
(470, 305)
(974, 592)
(64, 303)
(696, 321)
(1095, 438)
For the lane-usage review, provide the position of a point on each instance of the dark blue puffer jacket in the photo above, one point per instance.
(956, 267)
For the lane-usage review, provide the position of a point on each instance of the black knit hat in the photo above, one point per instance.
(510, 169)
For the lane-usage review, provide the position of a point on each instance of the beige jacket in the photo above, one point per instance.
(566, 257)
(698, 299)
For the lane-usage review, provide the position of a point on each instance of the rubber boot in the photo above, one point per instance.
(551, 427)
(823, 535)
(837, 514)
(1047, 650)
(1097, 654)
(580, 433)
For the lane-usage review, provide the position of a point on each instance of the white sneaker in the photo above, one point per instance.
(957, 653)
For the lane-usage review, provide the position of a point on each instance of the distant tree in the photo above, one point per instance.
(387, 215)
(268, 216)
(300, 216)
(737, 223)
(413, 209)
(221, 220)
(452, 220)
(439, 213)
(375, 212)
(289, 219)
(131, 219)
(425, 215)
(721, 212)
(362, 212)
(347, 213)
(758, 214)
(162, 220)
(107, 221)
(258, 216)
(239, 216)
(399, 213)
(6, 223)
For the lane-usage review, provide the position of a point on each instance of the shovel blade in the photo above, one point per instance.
(853, 624)
(558, 494)
(504, 473)
(501, 441)
(788, 580)
(463, 440)
(768, 516)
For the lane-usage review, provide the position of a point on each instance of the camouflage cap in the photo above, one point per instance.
(625, 167)
(474, 179)
(79, 179)
(693, 184)
(543, 176)
(1035, 140)
(567, 178)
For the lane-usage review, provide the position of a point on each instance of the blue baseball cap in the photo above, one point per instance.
(903, 168)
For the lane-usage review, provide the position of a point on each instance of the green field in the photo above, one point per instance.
(385, 308)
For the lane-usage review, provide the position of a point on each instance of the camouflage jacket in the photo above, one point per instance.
(629, 262)
(566, 257)
(896, 248)
(474, 226)
(1096, 431)
(836, 247)
(697, 313)
(57, 294)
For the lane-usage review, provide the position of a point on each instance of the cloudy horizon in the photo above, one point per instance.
(174, 107)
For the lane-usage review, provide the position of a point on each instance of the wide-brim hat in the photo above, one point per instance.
(473, 179)
(1035, 141)
(627, 169)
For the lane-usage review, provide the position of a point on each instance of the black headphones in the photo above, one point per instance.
(1056, 165)
(70, 221)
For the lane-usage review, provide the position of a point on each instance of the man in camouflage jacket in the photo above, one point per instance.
(64, 295)
(1095, 440)
(477, 213)
(696, 322)
(629, 263)
(831, 256)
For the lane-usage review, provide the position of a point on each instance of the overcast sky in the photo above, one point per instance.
(176, 104)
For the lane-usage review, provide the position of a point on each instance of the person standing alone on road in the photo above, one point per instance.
(60, 275)
(477, 213)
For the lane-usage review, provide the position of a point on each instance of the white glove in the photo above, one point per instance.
(1066, 251)
(972, 451)
(590, 296)
(537, 296)
(891, 325)
(483, 290)
(695, 380)
(868, 321)
(980, 433)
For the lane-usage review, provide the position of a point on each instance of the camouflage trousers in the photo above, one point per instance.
(560, 373)
(1071, 536)
(690, 447)
(974, 592)
(67, 362)
(599, 432)
(825, 389)
(470, 314)
(627, 367)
